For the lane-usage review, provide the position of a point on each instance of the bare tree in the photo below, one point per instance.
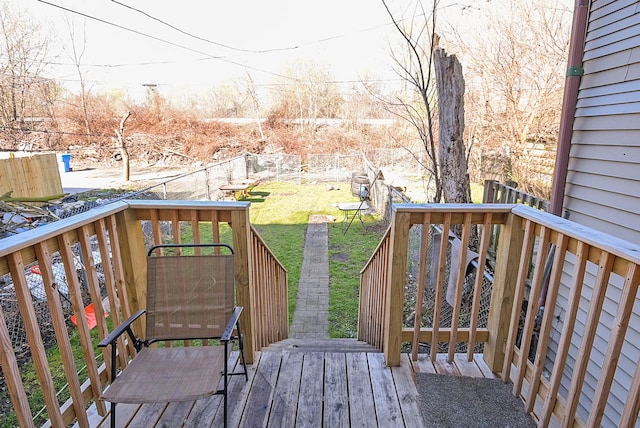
(418, 102)
(253, 93)
(310, 94)
(452, 153)
(516, 66)
(76, 55)
(23, 51)
(223, 100)
(359, 104)
(121, 145)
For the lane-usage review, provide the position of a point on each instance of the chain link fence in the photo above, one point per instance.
(278, 167)
(333, 167)
(447, 289)
(429, 299)
(203, 184)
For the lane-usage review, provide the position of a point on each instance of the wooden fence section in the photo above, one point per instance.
(373, 287)
(498, 193)
(270, 294)
(98, 260)
(34, 176)
(524, 300)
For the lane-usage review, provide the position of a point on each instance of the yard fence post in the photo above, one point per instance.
(504, 284)
(134, 262)
(396, 280)
(242, 248)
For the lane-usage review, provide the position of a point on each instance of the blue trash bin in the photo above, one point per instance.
(66, 161)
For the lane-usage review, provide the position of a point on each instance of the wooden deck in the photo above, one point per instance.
(309, 389)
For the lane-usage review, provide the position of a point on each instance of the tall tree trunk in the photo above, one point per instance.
(452, 153)
(123, 148)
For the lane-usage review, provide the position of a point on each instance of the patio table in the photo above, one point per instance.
(351, 211)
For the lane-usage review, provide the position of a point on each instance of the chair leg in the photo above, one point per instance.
(113, 415)
(225, 376)
(241, 346)
(225, 406)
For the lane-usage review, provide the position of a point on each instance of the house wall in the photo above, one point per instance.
(628, 357)
(603, 181)
(604, 168)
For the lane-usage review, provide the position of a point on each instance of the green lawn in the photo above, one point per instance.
(280, 212)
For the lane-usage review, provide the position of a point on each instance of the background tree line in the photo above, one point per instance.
(513, 64)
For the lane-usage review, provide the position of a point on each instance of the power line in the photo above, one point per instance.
(115, 65)
(201, 38)
(140, 33)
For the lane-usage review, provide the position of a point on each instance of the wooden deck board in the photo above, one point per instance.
(336, 409)
(360, 392)
(259, 400)
(285, 399)
(124, 414)
(148, 415)
(175, 414)
(484, 368)
(238, 393)
(424, 364)
(384, 394)
(300, 389)
(443, 366)
(203, 412)
(404, 380)
(467, 368)
(311, 390)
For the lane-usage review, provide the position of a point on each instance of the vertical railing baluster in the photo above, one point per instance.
(11, 373)
(462, 270)
(582, 255)
(91, 275)
(618, 332)
(110, 287)
(523, 270)
(526, 336)
(547, 320)
(593, 316)
(442, 266)
(478, 285)
(66, 251)
(394, 293)
(422, 279)
(32, 330)
(62, 335)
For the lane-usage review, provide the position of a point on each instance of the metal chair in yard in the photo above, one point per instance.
(190, 299)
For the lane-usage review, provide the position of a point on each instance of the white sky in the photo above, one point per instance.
(351, 36)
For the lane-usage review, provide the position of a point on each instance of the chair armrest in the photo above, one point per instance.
(125, 326)
(228, 331)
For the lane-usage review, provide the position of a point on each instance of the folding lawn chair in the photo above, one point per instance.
(189, 297)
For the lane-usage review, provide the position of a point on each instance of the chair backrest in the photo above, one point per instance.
(189, 296)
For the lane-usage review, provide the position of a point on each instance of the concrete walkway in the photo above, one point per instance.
(311, 317)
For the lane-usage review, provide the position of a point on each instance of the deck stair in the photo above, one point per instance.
(321, 345)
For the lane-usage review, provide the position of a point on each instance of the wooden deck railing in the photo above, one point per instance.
(582, 267)
(270, 294)
(499, 193)
(98, 259)
(373, 288)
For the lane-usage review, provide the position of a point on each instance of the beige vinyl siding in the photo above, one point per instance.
(628, 358)
(603, 181)
(604, 162)
(602, 196)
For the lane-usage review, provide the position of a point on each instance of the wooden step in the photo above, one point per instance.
(321, 345)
